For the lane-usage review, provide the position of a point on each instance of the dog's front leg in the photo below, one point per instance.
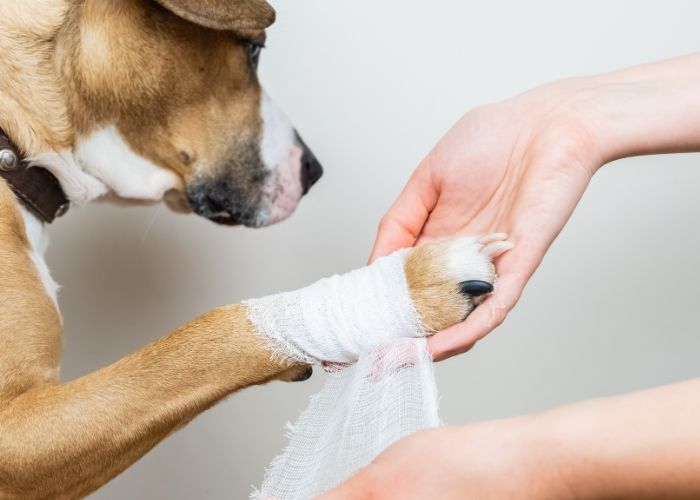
(65, 440)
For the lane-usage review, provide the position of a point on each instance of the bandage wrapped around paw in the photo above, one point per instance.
(367, 319)
(340, 318)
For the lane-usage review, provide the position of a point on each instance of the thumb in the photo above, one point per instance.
(403, 223)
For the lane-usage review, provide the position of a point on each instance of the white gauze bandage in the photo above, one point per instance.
(365, 317)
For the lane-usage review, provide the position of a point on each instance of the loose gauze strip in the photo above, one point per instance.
(365, 318)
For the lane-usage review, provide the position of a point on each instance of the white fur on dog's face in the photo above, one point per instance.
(103, 162)
(105, 155)
(258, 180)
(281, 157)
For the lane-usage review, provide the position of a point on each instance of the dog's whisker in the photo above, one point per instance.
(156, 213)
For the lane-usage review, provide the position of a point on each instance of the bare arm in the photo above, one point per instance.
(636, 446)
(522, 165)
(640, 445)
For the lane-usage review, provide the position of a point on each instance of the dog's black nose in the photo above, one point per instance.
(311, 169)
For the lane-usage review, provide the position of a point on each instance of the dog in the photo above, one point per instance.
(143, 101)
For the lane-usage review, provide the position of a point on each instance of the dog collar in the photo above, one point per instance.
(35, 186)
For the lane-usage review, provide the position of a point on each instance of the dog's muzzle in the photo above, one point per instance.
(217, 201)
(227, 200)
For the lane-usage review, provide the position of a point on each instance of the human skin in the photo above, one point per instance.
(637, 446)
(520, 166)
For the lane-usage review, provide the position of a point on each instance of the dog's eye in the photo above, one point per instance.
(254, 53)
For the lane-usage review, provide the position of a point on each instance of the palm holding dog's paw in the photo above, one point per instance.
(518, 166)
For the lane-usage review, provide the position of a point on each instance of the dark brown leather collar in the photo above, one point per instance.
(36, 187)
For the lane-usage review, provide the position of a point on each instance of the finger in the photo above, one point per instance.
(402, 224)
(394, 234)
(461, 337)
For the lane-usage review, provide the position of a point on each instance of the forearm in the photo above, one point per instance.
(647, 109)
(640, 445)
(653, 108)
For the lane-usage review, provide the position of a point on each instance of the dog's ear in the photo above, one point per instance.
(240, 16)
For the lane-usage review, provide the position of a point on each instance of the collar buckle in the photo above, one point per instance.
(8, 159)
(36, 187)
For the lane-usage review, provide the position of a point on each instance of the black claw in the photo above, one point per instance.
(475, 288)
(305, 375)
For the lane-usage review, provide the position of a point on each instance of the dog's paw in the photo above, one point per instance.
(448, 279)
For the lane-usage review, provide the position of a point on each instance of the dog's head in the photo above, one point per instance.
(166, 98)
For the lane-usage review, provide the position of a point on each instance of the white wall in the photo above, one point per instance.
(372, 85)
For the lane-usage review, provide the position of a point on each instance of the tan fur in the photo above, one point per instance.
(437, 297)
(183, 96)
(224, 14)
(30, 330)
(33, 108)
(65, 440)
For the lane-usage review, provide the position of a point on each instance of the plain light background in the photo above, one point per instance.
(372, 85)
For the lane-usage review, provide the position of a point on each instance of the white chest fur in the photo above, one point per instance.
(39, 240)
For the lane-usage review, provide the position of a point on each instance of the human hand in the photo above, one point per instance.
(644, 444)
(520, 167)
(500, 459)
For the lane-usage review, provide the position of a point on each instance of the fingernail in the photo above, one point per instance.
(305, 375)
(475, 288)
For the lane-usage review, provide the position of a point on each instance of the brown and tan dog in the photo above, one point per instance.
(124, 97)
(141, 99)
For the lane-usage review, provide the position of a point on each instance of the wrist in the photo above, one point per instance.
(570, 121)
(646, 109)
(593, 109)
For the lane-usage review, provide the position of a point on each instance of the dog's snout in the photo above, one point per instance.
(217, 202)
(311, 169)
